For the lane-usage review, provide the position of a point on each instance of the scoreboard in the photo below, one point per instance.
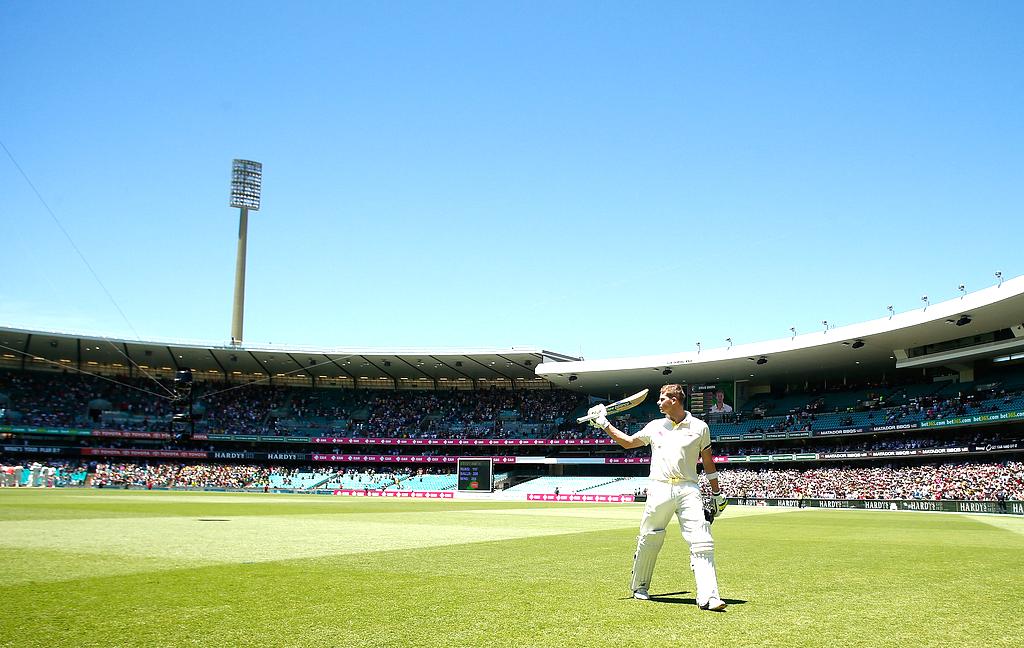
(475, 474)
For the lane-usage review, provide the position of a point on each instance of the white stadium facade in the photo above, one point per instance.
(982, 326)
(951, 336)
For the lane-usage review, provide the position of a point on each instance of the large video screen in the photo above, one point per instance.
(712, 401)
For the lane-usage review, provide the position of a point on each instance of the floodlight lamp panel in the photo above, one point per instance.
(246, 184)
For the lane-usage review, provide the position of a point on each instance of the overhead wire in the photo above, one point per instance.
(170, 393)
(269, 378)
(155, 394)
(83, 371)
(88, 265)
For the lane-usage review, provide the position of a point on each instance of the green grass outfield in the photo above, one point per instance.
(119, 568)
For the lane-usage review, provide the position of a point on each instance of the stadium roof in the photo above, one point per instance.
(56, 349)
(988, 323)
(985, 324)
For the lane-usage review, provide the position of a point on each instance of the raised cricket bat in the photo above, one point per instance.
(619, 406)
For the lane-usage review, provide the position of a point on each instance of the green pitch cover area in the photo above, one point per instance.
(126, 568)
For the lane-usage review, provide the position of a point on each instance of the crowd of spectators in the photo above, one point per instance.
(874, 443)
(241, 410)
(932, 481)
(237, 476)
(46, 474)
(171, 475)
(79, 400)
(880, 404)
(142, 404)
(472, 414)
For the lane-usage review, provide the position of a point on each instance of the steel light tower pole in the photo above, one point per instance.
(246, 181)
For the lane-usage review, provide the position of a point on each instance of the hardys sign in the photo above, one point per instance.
(947, 506)
(220, 454)
(287, 456)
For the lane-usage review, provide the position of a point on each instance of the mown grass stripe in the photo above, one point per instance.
(795, 578)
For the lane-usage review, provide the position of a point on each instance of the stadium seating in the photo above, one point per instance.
(359, 481)
(298, 480)
(55, 400)
(621, 486)
(427, 482)
(947, 480)
(565, 485)
(34, 398)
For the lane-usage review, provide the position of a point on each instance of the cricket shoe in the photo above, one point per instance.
(714, 604)
(641, 594)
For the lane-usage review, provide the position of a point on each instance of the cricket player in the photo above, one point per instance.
(677, 442)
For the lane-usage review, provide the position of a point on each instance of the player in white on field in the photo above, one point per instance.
(677, 442)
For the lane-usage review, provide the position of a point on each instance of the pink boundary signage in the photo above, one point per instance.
(458, 442)
(402, 458)
(128, 434)
(379, 493)
(577, 497)
(129, 452)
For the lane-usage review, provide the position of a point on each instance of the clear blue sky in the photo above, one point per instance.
(599, 178)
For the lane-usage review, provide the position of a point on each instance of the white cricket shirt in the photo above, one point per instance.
(675, 448)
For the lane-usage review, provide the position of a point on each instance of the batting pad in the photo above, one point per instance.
(703, 564)
(697, 534)
(647, 547)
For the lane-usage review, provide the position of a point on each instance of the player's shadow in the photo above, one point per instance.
(676, 599)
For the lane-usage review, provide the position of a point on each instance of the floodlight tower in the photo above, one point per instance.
(246, 181)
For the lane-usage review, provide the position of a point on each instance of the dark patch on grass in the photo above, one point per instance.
(674, 598)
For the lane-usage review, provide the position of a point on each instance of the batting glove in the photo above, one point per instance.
(720, 503)
(601, 419)
(709, 512)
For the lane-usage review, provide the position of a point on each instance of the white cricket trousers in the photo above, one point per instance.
(684, 501)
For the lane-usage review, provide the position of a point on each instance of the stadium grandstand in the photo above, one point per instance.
(921, 406)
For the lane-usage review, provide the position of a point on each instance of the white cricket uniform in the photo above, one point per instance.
(673, 490)
(675, 448)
